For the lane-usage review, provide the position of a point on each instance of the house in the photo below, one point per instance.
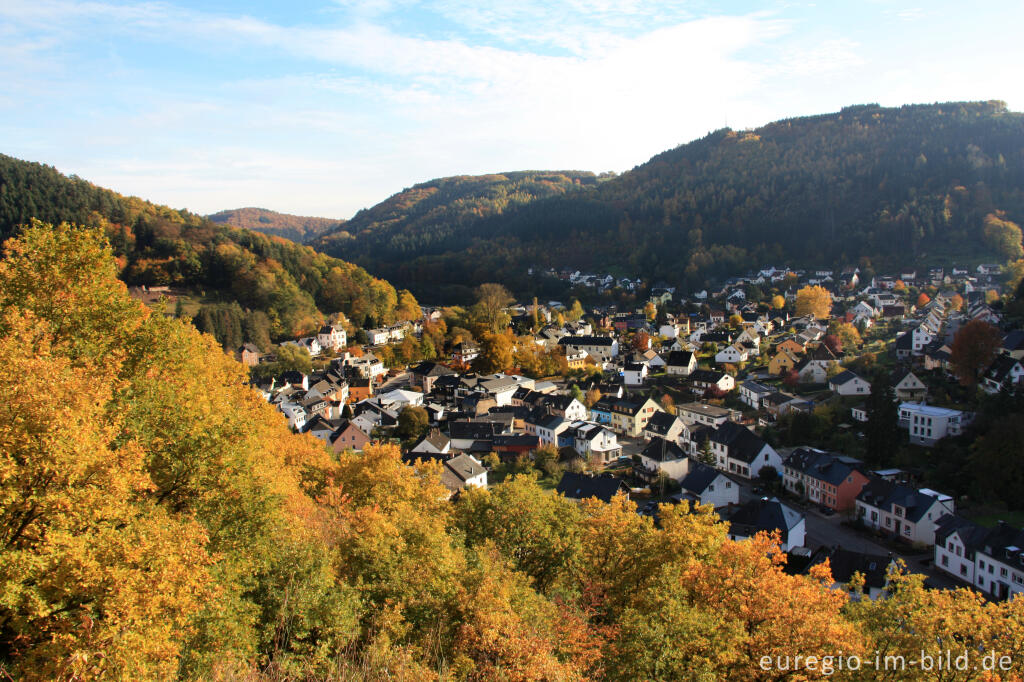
(601, 348)
(708, 486)
(629, 418)
(309, 343)
(465, 353)
(663, 458)
(908, 387)
(594, 442)
(810, 372)
(634, 373)
(425, 374)
(793, 345)
(900, 510)
(703, 379)
(823, 478)
(782, 362)
(682, 362)
(332, 337)
(766, 515)
(664, 425)
(844, 564)
(733, 354)
(1005, 371)
(566, 406)
(740, 451)
(779, 404)
(463, 471)
(752, 392)
(249, 355)
(847, 383)
(547, 427)
(704, 414)
(377, 337)
(348, 436)
(927, 424)
(1013, 344)
(990, 559)
(434, 443)
(581, 486)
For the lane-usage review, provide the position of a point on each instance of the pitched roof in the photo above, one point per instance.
(581, 486)
(699, 478)
(661, 450)
(844, 377)
(743, 444)
(764, 514)
(823, 466)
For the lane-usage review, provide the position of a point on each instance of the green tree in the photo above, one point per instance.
(413, 422)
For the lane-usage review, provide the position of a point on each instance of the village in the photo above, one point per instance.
(716, 398)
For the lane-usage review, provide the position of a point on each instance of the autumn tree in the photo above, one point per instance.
(974, 347)
(496, 353)
(956, 302)
(650, 311)
(489, 311)
(641, 341)
(814, 300)
(413, 422)
(923, 300)
(575, 313)
(778, 302)
(1002, 235)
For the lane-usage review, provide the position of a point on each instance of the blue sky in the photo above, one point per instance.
(323, 108)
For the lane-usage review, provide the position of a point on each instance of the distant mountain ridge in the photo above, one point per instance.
(294, 227)
(258, 287)
(893, 186)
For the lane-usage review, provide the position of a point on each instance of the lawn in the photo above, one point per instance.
(1014, 518)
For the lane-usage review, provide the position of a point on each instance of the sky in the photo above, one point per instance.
(326, 107)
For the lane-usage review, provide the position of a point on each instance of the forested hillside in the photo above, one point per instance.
(280, 288)
(159, 521)
(294, 227)
(893, 185)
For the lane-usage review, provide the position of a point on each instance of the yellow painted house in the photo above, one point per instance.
(782, 362)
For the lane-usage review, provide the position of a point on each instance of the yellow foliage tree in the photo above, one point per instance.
(814, 300)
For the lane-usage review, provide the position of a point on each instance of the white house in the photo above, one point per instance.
(847, 383)
(664, 457)
(705, 485)
(751, 393)
(595, 442)
(901, 511)
(927, 424)
(740, 451)
(463, 471)
(332, 336)
(634, 373)
(734, 354)
(766, 515)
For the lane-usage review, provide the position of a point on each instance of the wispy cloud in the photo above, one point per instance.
(331, 111)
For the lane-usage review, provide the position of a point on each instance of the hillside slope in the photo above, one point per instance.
(297, 228)
(285, 287)
(893, 185)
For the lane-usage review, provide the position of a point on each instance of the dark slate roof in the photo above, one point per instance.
(699, 478)
(431, 369)
(1000, 368)
(844, 563)
(843, 377)
(581, 486)
(743, 443)
(764, 514)
(679, 358)
(661, 422)
(884, 494)
(823, 466)
(661, 450)
(1014, 340)
(585, 341)
(464, 466)
(707, 376)
(471, 429)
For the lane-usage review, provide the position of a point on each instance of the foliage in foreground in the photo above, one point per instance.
(158, 520)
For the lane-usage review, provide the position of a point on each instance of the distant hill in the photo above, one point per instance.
(891, 186)
(256, 287)
(294, 227)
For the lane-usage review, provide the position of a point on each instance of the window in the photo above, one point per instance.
(963, 569)
(945, 560)
(888, 522)
(1003, 572)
